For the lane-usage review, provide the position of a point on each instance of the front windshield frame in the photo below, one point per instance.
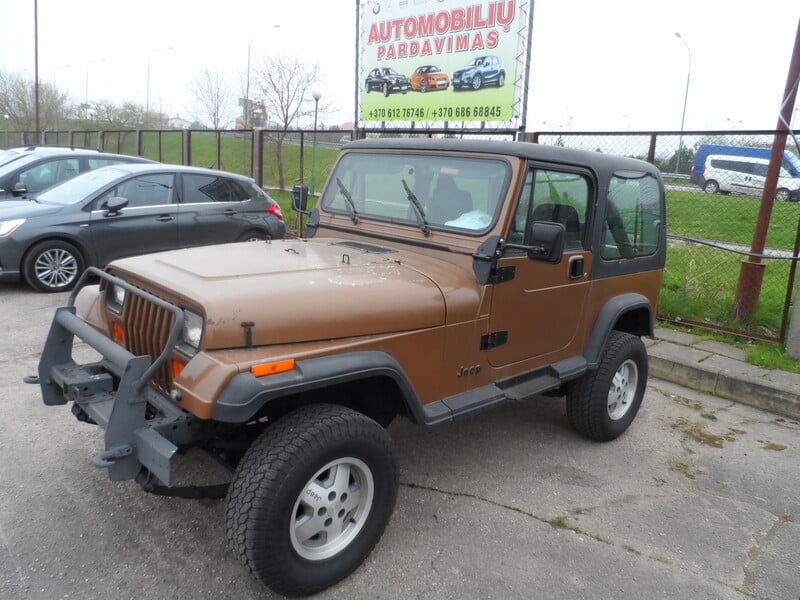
(458, 194)
(80, 188)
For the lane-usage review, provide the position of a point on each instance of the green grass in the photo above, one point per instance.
(700, 284)
(729, 218)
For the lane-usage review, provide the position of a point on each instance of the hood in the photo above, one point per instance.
(464, 70)
(18, 209)
(295, 291)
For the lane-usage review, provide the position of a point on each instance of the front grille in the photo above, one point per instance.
(147, 327)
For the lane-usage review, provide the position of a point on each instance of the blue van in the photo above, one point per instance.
(790, 162)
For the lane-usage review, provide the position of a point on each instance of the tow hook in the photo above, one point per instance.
(33, 379)
(110, 456)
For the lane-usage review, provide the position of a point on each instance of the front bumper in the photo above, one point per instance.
(142, 427)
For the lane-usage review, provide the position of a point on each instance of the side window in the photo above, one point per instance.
(633, 216)
(96, 163)
(44, 175)
(553, 196)
(144, 190)
(211, 188)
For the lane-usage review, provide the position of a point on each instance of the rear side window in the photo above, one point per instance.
(212, 188)
(633, 216)
(96, 163)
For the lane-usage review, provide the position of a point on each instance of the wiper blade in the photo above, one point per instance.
(349, 198)
(423, 221)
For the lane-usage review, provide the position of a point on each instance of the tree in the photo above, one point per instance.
(284, 84)
(214, 98)
(18, 101)
(127, 115)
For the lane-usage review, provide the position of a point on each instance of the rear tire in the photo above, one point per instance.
(311, 498)
(52, 266)
(603, 403)
(783, 195)
(253, 236)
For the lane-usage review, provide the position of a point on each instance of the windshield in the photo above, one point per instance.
(462, 194)
(11, 161)
(793, 163)
(79, 188)
(6, 156)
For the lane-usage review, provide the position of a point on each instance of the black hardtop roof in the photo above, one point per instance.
(597, 161)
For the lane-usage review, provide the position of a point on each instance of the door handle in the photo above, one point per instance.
(165, 218)
(576, 267)
(228, 212)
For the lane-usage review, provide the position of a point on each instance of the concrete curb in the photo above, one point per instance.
(720, 369)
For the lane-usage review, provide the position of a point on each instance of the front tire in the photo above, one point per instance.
(311, 498)
(386, 90)
(477, 82)
(711, 187)
(603, 403)
(52, 266)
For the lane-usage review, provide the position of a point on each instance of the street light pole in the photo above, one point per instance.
(147, 91)
(685, 99)
(316, 94)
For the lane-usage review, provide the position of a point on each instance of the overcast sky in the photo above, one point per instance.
(596, 65)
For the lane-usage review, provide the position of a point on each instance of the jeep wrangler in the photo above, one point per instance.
(437, 278)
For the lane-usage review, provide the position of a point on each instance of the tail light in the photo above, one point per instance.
(275, 209)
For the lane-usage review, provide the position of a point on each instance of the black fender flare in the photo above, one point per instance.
(245, 395)
(608, 317)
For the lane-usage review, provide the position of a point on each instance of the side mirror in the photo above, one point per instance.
(114, 205)
(546, 241)
(19, 189)
(300, 198)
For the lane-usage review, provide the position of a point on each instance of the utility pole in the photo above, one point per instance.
(751, 275)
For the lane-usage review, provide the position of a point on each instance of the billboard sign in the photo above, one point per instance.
(442, 60)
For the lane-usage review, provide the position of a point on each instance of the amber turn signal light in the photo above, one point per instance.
(272, 368)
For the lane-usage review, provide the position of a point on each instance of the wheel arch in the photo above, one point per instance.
(370, 382)
(629, 313)
(87, 257)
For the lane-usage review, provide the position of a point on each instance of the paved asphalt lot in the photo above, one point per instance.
(508, 504)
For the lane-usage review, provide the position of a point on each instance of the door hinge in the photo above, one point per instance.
(493, 340)
(501, 274)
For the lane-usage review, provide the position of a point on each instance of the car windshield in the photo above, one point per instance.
(794, 162)
(78, 188)
(389, 72)
(444, 192)
(12, 164)
(6, 156)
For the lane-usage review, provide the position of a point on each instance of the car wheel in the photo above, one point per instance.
(253, 236)
(52, 266)
(423, 87)
(603, 403)
(783, 195)
(311, 498)
(501, 80)
(711, 187)
(477, 82)
(385, 89)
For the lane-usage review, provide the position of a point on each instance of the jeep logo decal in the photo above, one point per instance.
(464, 371)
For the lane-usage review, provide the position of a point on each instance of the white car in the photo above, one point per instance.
(745, 175)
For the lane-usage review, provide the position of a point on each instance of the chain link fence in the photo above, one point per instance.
(714, 182)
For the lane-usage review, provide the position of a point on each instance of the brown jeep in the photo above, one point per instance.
(438, 278)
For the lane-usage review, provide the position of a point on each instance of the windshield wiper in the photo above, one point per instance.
(423, 221)
(349, 198)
